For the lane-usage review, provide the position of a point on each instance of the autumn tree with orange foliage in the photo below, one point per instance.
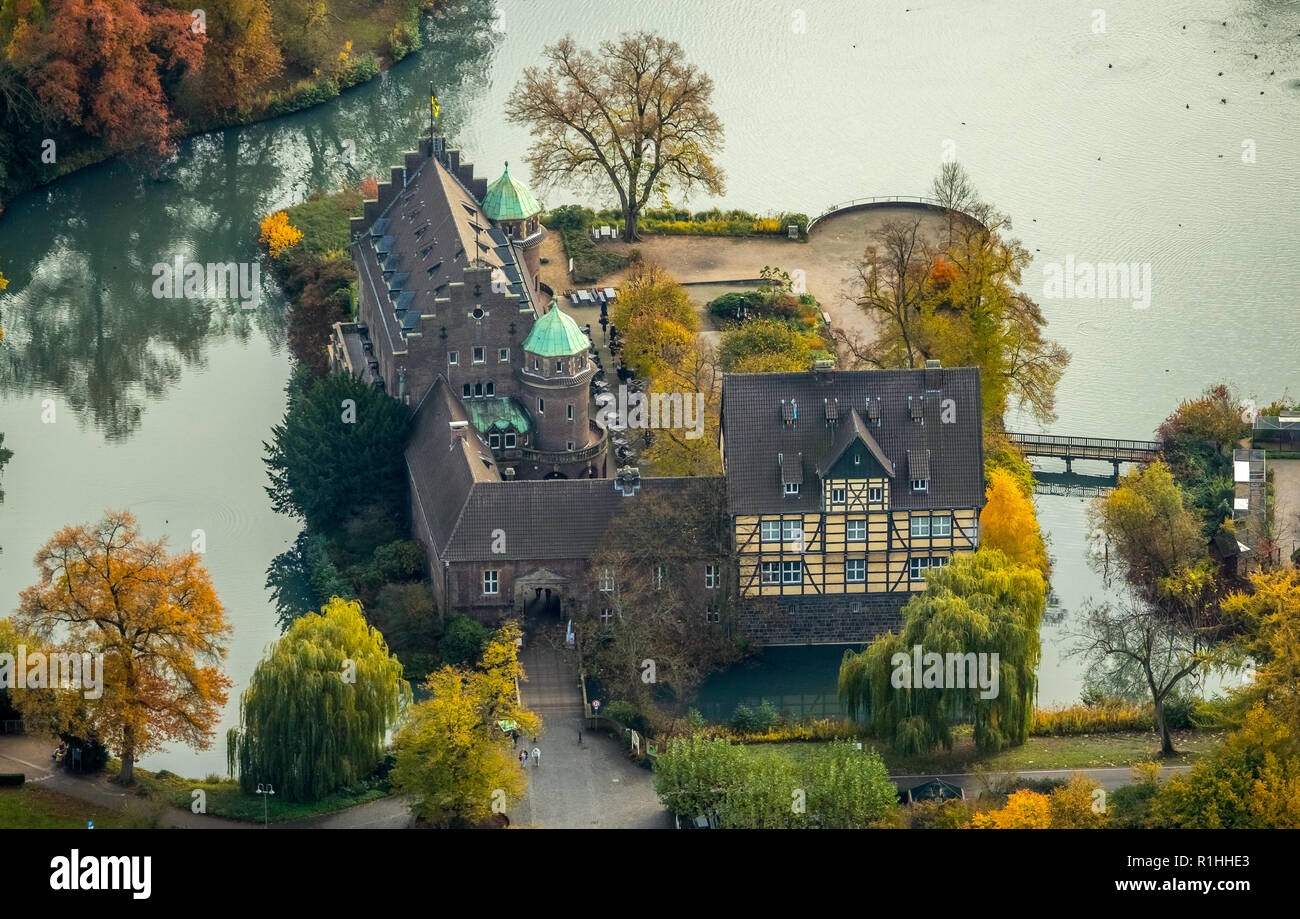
(156, 620)
(108, 66)
(1008, 522)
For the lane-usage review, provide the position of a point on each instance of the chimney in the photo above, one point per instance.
(932, 375)
(627, 480)
(459, 431)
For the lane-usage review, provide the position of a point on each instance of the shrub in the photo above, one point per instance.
(463, 640)
(759, 720)
(1106, 715)
(628, 715)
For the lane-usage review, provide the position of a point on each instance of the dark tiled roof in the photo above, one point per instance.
(918, 464)
(754, 433)
(852, 429)
(551, 518)
(461, 496)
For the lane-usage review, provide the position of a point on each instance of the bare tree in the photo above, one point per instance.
(893, 279)
(633, 115)
(1133, 649)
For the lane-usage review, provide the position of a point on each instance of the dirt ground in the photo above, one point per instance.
(827, 260)
(1286, 512)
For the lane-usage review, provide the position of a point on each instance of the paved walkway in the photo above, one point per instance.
(577, 786)
(31, 756)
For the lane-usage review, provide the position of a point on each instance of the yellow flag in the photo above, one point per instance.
(434, 103)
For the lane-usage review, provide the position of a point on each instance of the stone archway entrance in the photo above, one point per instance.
(540, 594)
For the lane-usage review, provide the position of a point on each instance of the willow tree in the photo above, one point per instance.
(319, 706)
(982, 604)
(633, 115)
(155, 620)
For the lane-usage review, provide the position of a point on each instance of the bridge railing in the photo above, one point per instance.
(1097, 443)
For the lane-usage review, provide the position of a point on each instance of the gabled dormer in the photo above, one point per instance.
(856, 472)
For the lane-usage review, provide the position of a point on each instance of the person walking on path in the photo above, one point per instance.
(579, 730)
(523, 759)
(537, 756)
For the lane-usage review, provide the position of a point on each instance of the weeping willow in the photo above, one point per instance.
(317, 710)
(982, 603)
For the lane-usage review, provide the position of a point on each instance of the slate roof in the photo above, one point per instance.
(462, 498)
(433, 229)
(852, 430)
(754, 433)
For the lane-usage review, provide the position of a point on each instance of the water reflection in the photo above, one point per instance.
(80, 316)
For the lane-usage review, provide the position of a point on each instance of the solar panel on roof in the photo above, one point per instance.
(379, 227)
(405, 300)
(410, 321)
(512, 273)
(399, 280)
(393, 262)
(832, 410)
(498, 237)
(385, 244)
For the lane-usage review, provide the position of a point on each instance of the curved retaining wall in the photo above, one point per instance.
(863, 204)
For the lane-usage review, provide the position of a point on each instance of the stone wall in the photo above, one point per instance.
(823, 620)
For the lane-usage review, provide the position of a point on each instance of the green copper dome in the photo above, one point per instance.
(507, 199)
(556, 335)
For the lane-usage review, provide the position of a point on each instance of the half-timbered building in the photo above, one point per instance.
(844, 489)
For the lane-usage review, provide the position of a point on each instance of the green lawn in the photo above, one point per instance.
(224, 799)
(325, 221)
(31, 807)
(1075, 752)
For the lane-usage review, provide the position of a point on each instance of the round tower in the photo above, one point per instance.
(510, 205)
(555, 379)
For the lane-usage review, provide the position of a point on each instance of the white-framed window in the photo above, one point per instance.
(491, 582)
(917, 567)
(710, 577)
(494, 440)
(857, 459)
(876, 494)
(660, 572)
(792, 572)
(510, 440)
(838, 495)
(855, 570)
(479, 356)
(606, 616)
(712, 615)
(771, 572)
(453, 357)
(920, 484)
(559, 366)
(791, 488)
(855, 530)
(791, 531)
(503, 354)
(920, 526)
(536, 364)
(541, 406)
(770, 531)
(607, 580)
(941, 525)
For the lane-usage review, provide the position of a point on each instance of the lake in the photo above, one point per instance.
(1105, 146)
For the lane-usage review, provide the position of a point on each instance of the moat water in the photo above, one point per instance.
(1109, 146)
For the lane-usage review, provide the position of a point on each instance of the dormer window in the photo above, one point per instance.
(791, 489)
(494, 441)
(510, 440)
(920, 485)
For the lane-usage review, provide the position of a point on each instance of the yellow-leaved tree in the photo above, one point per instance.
(278, 235)
(454, 755)
(1008, 522)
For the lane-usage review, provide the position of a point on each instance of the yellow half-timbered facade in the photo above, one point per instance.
(845, 489)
